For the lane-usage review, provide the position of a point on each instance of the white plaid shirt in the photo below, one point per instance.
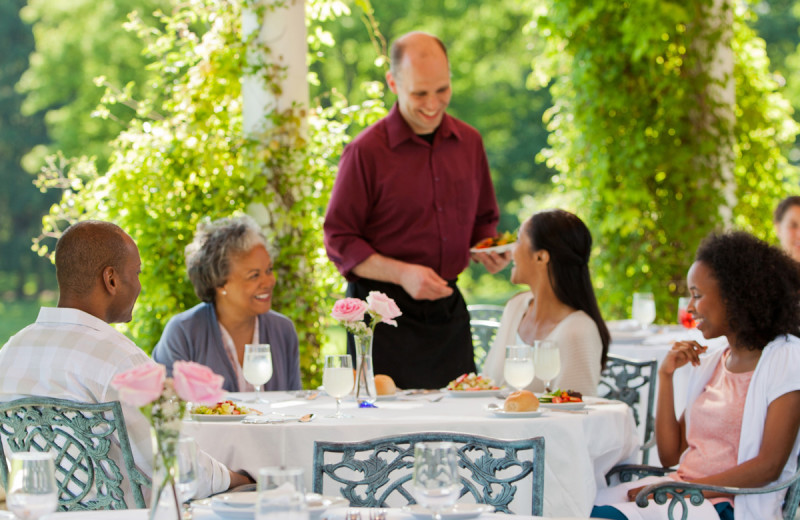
(69, 354)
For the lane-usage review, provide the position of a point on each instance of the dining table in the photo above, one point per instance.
(580, 445)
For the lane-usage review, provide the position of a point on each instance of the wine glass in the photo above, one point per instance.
(547, 359)
(338, 380)
(685, 318)
(32, 490)
(281, 494)
(435, 481)
(187, 473)
(257, 367)
(519, 368)
(644, 309)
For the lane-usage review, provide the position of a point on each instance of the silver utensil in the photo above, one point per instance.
(279, 420)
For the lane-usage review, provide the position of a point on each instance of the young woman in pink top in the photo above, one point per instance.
(743, 405)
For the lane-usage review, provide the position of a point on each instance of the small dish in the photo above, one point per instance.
(457, 512)
(389, 397)
(516, 415)
(563, 406)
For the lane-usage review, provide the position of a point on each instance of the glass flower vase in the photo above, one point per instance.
(165, 503)
(365, 377)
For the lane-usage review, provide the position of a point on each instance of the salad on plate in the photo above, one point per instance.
(471, 383)
(223, 408)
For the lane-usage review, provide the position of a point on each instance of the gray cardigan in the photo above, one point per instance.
(194, 335)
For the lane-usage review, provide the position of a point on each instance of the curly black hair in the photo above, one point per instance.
(759, 285)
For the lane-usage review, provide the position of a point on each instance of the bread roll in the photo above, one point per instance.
(384, 385)
(521, 401)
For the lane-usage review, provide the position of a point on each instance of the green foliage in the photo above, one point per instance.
(638, 131)
(184, 157)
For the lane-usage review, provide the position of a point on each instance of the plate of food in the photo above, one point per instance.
(224, 411)
(499, 244)
(456, 512)
(562, 400)
(472, 385)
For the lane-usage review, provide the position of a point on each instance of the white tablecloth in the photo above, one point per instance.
(202, 513)
(579, 448)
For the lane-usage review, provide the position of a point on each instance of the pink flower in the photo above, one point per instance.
(140, 385)
(197, 383)
(384, 307)
(349, 310)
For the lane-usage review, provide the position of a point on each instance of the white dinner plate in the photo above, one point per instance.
(389, 397)
(563, 406)
(473, 393)
(243, 505)
(494, 249)
(457, 512)
(217, 418)
(517, 415)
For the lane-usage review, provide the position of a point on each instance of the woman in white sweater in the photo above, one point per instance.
(551, 258)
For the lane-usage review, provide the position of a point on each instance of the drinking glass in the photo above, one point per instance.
(435, 481)
(257, 367)
(519, 368)
(685, 318)
(281, 494)
(547, 359)
(338, 380)
(187, 473)
(32, 490)
(644, 309)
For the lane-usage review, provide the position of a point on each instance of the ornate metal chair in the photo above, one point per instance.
(80, 435)
(631, 381)
(484, 320)
(373, 471)
(679, 492)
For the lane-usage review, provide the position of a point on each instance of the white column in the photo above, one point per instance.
(283, 31)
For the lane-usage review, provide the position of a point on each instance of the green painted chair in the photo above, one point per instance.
(80, 436)
(375, 471)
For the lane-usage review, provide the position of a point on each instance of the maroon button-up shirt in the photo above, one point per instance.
(397, 195)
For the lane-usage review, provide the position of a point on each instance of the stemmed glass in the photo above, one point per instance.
(435, 481)
(548, 361)
(257, 367)
(32, 489)
(281, 494)
(644, 309)
(187, 473)
(519, 368)
(338, 380)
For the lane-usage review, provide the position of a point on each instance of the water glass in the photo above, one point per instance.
(547, 359)
(435, 481)
(281, 494)
(257, 367)
(338, 380)
(187, 469)
(519, 367)
(684, 316)
(32, 491)
(644, 309)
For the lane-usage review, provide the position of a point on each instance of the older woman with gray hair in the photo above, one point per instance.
(231, 270)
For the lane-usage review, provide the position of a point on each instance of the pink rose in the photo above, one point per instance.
(383, 306)
(349, 310)
(140, 385)
(197, 383)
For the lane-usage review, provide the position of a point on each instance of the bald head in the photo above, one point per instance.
(415, 45)
(97, 266)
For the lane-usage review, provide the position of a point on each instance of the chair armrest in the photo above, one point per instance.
(626, 472)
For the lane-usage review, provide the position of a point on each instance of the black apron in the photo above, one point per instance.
(432, 343)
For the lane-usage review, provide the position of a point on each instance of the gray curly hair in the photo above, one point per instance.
(215, 242)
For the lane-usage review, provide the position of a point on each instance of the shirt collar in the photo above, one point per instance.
(70, 316)
(398, 131)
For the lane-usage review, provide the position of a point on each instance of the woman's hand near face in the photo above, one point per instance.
(682, 352)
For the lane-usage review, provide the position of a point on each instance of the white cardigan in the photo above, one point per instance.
(579, 345)
(777, 373)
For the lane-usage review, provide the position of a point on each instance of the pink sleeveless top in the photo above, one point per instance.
(716, 425)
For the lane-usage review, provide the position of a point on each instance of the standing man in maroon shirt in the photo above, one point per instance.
(412, 195)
